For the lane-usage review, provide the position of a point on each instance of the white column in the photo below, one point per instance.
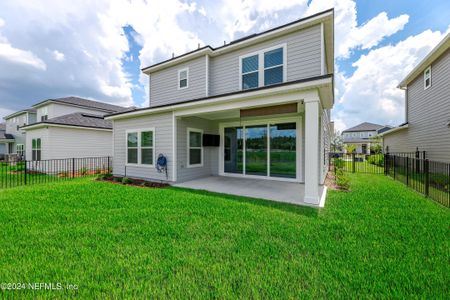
(312, 150)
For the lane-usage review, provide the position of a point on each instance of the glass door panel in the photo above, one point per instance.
(256, 150)
(283, 150)
(234, 150)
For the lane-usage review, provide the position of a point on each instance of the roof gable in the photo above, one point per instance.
(366, 126)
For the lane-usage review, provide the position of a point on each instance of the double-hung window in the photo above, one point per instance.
(195, 147)
(427, 78)
(44, 113)
(183, 77)
(19, 150)
(141, 147)
(263, 68)
(36, 149)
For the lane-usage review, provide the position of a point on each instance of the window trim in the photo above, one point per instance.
(261, 68)
(187, 78)
(139, 147)
(33, 149)
(188, 142)
(22, 151)
(425, 78)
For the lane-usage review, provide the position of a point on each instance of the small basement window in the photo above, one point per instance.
(183, 76)
(427, 78)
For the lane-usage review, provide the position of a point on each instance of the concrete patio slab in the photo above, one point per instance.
(280, 191)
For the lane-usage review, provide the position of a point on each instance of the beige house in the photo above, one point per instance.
(427, 92)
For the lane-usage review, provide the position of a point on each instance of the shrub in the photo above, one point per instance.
(105, 176)
(342, 181)
(83, 171)
(117, 179)
(338, 163)
(98, 171)
(126, 180)
(376, 159)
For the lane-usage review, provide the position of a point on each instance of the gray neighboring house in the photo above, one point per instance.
(251, 117)
(62, 128)
(363, 136)
(15, 144)
(427, 108)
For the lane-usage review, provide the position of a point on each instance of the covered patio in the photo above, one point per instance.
(280, 191)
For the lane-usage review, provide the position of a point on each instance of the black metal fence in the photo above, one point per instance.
(31, 172)
(431, 178)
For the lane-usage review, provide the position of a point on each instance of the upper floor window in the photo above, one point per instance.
(183, 78)
(44, 113)
(263, 68)
(427, 78)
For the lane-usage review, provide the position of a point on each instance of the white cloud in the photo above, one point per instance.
(58, 56)
(348, 35)
(371, 93)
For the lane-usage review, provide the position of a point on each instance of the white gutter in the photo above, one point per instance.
(41, 125)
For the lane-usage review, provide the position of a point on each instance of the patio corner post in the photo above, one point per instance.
(312, 149)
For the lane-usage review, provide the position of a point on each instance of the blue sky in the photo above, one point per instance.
(95, 49)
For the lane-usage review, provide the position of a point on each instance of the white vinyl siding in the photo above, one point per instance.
(183, 78)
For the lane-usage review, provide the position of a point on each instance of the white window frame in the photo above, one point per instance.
(139, 147)
(43, 112)
(187, 78)
(189, 130)
(425, 86)
(261, 68)
(35, 149)
(22, 150)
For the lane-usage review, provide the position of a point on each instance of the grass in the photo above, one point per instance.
(381, 240)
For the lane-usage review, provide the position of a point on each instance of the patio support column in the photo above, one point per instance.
(312, 149)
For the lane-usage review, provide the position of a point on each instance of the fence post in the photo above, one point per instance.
(25, 173)
(353, 162)
(73, 167)
(108, 165)
(427, 177)
(407, 171)
(394, 166)
(386, 157)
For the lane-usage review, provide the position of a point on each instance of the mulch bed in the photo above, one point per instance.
(136, 182)
(330, 182)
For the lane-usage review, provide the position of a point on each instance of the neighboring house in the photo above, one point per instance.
(16, 143)
(258, 107)
(5, 140)
(427, 124)
(363, 136)
(60, 128)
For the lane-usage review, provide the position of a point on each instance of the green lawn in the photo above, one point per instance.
(381, 240)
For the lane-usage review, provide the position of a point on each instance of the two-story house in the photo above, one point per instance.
(15, 141)
(427, 108)
(363, 136)
(61, 128)
(256, 108)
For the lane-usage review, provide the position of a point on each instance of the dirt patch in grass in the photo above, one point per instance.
(135, 182)
(330, 182)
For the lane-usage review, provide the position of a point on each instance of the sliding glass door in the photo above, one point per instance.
(268, 149)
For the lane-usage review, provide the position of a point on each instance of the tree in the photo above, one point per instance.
(350, 148)
(337, 143)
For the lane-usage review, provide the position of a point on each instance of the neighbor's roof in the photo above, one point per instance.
(2, 126)
(28, 110)
(85, 103)
(443, 46)
(395, 129)
(366, 126)
(77, 119)
(5, 136)
(323, 16)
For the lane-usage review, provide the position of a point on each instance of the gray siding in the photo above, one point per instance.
(56, 110)
(303, 60)
(164, 83)
(19, 135)
(163, 144)
(428, 115)
(210, 154)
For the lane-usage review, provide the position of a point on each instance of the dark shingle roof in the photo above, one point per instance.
(5, 136)
(19, 112)
(88, 104)
(366, 126)
(80, 120)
